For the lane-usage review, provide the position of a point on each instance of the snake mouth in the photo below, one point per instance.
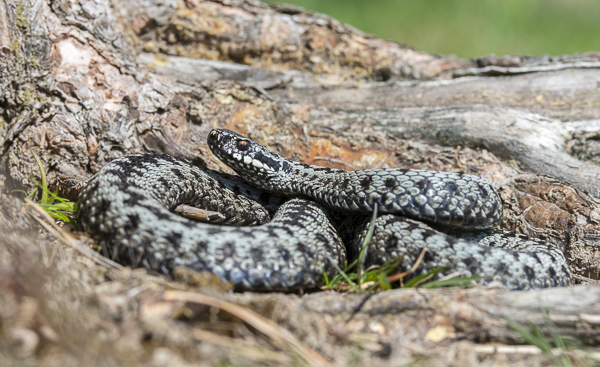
(214, 141)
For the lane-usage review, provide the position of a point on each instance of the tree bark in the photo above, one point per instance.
(82, 83)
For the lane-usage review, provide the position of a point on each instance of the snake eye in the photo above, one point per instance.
(243, 145)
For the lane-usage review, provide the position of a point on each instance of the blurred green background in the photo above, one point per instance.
(471, 28)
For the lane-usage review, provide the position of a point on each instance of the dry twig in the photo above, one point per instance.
(280, 336)
(199, 214)
(50, 225)
(241, 347)
(399, 276)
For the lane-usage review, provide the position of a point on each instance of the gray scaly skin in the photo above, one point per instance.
(127, 206)
(438, 197)
(514, 260)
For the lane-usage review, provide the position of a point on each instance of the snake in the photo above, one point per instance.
(289, 225)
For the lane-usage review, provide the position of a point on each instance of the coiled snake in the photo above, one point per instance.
(128, 203)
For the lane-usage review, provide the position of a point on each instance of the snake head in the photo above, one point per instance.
(250, 160)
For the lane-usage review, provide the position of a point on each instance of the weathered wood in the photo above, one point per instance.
(478, 314)
(535, 141)
(82, 83)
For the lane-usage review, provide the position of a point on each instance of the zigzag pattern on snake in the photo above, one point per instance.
(127, 205)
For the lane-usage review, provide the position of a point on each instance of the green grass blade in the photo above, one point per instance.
(556, 337)
(344, 275)
(337, 279)
(365, 245)
(55, 197)
(60, 216)
(543, 343)
(50, 196)
(454, 282)
(534, 337)
(350, 266)
(383, 281)
(54, 205)
(32, 194)
(390, 265)
(44, 183)
(325, 277)
(526, 335)
(419, 278)
(68, 206)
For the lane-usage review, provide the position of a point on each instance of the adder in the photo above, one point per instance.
(285, 220)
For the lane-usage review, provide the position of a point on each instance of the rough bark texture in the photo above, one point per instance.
(84, 82)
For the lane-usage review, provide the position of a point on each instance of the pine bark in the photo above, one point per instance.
(82, 83)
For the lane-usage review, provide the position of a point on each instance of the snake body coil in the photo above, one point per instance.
(128, 206)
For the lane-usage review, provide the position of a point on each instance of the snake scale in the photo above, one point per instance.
(282, 225)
